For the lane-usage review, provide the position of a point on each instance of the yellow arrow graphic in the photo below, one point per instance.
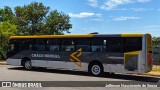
(75, 56)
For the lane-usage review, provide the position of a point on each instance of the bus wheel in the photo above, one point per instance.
(96, 69)
(27, 65)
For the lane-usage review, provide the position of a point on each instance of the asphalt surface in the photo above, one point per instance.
(16, 73)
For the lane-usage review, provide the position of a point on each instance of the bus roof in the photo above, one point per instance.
(78, 36)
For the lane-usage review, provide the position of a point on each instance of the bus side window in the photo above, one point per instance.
(115, 44)
(67, 48)
(67, 45)
(85, 48)
(32, 47)
(98, 45)
(53, 45)
(84, 44)
(132, 44)
(96, 48)
(53, 48)
(28, 44)
(14, 47)
(41, 44)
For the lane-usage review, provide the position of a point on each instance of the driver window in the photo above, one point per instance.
(13, 47)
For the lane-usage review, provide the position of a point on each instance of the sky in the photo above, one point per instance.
(104, 16)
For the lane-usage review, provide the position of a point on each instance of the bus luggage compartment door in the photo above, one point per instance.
(131, 62)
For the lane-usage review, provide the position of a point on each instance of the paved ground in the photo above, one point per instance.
(15, 73)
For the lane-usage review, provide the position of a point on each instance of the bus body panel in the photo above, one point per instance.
(11, 61)
(149, 52)
(80, 60)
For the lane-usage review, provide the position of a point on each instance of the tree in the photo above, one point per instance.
(32, 19)
(57, 23)
(156, 41)
(6, 30)
(35, 19)
(7, 14)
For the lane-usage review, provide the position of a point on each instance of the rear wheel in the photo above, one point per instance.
(96, 69)
(27, 65)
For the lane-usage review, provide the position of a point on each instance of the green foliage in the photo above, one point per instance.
(59, 24)
(32, 19)
(6, 14)
(35, 19)
(156, 41)
(6, 30)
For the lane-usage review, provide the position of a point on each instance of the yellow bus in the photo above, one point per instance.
(94, 53)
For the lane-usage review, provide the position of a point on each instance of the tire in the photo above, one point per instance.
(96, 69)
(27, 65)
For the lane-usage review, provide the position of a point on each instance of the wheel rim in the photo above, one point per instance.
(96, 69)
(28, 65)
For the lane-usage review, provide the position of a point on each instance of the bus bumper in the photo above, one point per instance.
(16, 62)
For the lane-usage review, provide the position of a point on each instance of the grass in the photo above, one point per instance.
(156, 68)
(155, 71)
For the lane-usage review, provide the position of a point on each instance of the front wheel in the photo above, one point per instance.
(27, 65)
(96, 69)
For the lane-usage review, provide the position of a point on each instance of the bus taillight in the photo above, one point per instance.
(149, 58)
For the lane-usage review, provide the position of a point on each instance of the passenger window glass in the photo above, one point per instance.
(53, 48)
(83, 41)
(67, 42)
(67, 48)
(85, 48)
(97, 41)
(54, 41)
(37, 47)
(41, 41)
(132, 44)
(115, 44)
(13, 47)
(26, 43)
(98, 45)
(40, 47)
(32, 47)
(67, 45)
(35, 44)
(104, 48)
(84, 44)
(96, 48)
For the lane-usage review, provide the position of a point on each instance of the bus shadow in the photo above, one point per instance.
(105, 75)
